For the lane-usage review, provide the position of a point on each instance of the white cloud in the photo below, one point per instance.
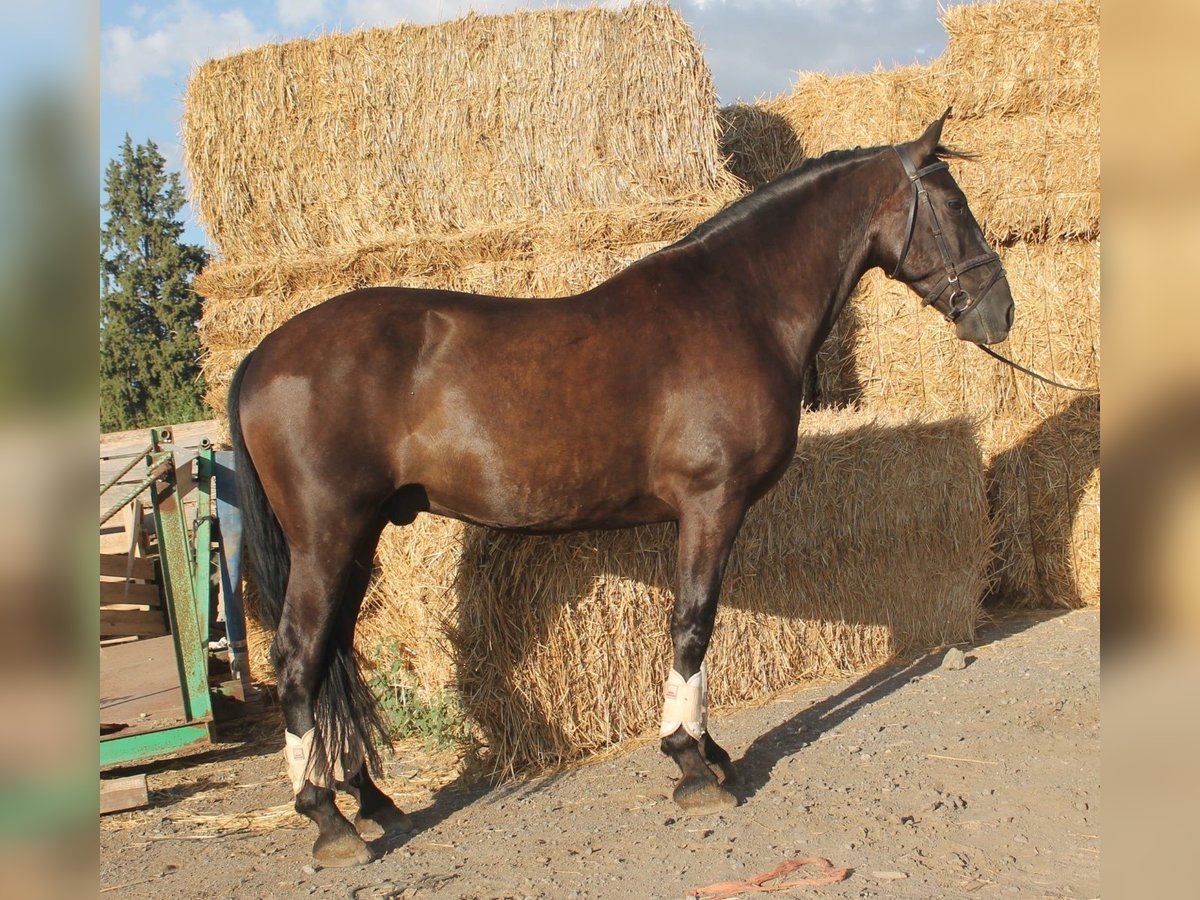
(299, 12)
(182, 35)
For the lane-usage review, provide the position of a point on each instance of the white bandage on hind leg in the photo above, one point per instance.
(298, 751)
(685, 703)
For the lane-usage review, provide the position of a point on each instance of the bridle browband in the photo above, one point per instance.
(960, 300)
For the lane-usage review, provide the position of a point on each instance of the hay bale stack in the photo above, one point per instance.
(347, 139)
(876, 540)
(1029, 107)
(1016, 56)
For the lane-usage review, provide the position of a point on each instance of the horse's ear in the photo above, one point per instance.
(927, 143)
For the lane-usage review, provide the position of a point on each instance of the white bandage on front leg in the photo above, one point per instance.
(685, 703)
(298, 751)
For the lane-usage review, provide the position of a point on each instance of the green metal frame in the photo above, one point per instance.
(186, 565)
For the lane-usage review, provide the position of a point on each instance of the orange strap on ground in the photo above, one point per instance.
(758, 884)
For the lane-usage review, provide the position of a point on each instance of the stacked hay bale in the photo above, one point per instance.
(536, 154)
(1023, 80)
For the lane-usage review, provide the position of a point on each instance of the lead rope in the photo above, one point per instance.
(1067, 387)
(758, 884)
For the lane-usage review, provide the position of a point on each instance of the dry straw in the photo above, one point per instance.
(1019, 56)
(1044, 492)
(1036, 175)
(352, 138)
(889, 353)
(1023, 81)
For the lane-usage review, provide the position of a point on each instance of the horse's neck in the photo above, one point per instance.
(805, 257)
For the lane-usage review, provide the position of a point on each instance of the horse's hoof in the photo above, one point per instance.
(386, 820)
(725, 772)
(342, 850)
(704, 799)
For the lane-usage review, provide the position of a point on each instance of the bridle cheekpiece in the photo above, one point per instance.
(959, 300)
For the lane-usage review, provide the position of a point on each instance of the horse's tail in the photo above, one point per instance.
(267, 549)
(345, 710)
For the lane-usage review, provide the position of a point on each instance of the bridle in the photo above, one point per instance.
(959, 300)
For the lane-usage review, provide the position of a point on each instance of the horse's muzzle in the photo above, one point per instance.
(989, 320)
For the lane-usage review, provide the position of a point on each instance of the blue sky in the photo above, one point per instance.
(753, 47)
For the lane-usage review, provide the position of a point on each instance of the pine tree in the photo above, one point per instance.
(149, 348)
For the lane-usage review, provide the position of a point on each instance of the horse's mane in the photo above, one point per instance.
(790, 181)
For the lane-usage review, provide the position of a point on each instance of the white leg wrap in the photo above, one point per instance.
(298, 751)
(685, 703)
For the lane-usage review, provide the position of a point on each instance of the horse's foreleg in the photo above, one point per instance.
(300, 651)
(707, 528)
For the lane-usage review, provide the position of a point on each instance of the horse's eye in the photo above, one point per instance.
(955, 204)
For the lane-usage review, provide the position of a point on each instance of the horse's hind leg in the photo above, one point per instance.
(377, 813)
(707, 528)
(306, 654)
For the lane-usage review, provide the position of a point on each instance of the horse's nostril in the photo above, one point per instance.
(1008, 316)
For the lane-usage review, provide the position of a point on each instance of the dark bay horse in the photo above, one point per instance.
(671, 392)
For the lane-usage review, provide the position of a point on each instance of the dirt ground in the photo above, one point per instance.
(926, 781)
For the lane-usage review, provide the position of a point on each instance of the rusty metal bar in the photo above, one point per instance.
(132, 495)
(137, 457)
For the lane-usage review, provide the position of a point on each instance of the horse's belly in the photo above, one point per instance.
(541, 494)
(542, 520)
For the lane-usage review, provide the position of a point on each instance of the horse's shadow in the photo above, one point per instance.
(1052, 465)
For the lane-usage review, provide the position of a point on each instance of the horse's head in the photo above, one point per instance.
(928, 238)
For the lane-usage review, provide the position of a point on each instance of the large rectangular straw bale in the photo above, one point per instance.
(1035, 175)
(1015, 57)
(345, 139)
(876, 540)
(544, 257)
(1044, 493)
(1023, 80)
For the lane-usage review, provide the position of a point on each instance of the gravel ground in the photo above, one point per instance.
(929, 778)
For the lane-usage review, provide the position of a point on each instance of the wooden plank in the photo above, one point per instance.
(119, 565)
(129, 592)
(134, 514)
(117, 794)
(121, 623)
